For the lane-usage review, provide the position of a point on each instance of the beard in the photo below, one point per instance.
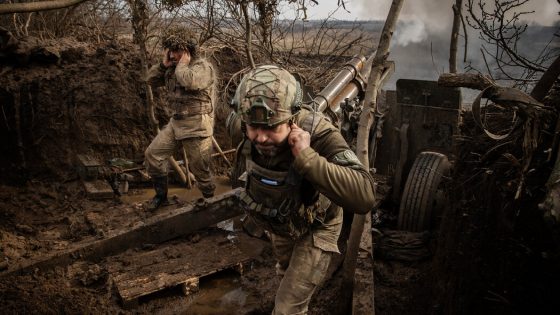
(270, 149)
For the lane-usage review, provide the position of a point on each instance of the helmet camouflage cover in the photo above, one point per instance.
(179, 38)
(267, 96)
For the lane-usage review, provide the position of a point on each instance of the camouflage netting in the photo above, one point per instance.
(179, 38)
(496, 254)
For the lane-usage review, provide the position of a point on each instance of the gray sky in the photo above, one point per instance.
(431, 12)
(420, 44)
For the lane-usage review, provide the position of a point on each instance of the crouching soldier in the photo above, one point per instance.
(299, 173)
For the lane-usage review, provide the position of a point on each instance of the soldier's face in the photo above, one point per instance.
(269, 141)
(175, 56)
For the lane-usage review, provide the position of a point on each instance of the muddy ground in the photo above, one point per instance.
(64, 98)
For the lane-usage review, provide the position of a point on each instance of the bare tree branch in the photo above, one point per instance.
(6, 8)
(499, 26)
(248, 39)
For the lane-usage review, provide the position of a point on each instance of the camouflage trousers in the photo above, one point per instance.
(303, 267)
(198, 152)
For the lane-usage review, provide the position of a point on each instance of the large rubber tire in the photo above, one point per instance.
(416, 212)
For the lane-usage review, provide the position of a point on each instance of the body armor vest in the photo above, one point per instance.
(279, 201)
(187, 102)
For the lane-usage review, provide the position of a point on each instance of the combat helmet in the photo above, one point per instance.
(267, 96)
(180, 38)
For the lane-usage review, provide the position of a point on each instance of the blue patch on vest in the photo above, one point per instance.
(270, 182)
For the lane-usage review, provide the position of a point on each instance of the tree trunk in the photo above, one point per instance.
(475, 81)
(366, 120)
(248, 39)
(455, 35)
(547, 80)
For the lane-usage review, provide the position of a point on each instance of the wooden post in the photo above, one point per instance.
(220, 151)
(188, 173)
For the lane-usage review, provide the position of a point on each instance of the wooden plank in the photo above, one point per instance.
(182, 263)
(87, 167)
(98, 189)
(154, 230)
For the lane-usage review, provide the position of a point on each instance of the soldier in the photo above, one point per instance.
(299, 173)
(190, 84)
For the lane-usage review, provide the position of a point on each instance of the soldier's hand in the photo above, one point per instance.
(185, 59)
(166, 62)
(298, 139)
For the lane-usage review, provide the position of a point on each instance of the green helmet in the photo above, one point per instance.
(267, 96)
(180, 38)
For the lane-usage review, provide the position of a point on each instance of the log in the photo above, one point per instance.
(8, 8)
(475, 81)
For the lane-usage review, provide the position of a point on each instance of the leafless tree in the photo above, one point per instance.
(90, 20)
(501, 29)
(457, 21)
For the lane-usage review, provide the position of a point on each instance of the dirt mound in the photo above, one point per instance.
(66, 98)
(63, 98)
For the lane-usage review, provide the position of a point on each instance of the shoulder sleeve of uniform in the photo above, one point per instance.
(327, 140)
(349, 185)
(196, 76)
(347, 158)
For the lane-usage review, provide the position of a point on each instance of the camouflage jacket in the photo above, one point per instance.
(191, 95)
(328, 167)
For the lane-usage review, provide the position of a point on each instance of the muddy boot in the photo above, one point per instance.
(207, 190)
(251, 227)
(207, 194)
(160, 186)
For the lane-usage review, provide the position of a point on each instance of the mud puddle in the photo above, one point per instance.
(220, 293)
(135, 196)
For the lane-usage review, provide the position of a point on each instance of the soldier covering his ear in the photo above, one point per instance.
(299, 172)
(190, 85)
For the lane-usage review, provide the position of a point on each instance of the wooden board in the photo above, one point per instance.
(98, 189)
(156, 229)
(140, 273)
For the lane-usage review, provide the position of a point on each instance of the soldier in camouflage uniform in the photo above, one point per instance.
(299, 173)
(190, 83)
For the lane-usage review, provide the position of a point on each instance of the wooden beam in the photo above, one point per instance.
(155, 230)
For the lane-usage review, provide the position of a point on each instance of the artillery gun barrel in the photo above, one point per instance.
(351, 90)
(346, 84)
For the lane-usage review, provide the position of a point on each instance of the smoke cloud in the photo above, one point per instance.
(438, 14)
(413, 31)
(420, 45)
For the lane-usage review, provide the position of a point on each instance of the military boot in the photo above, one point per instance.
(207, 194)
(207, 190)
(160, 186)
